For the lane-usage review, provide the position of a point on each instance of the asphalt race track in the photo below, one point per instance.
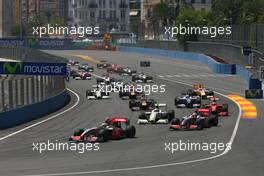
(145, 154)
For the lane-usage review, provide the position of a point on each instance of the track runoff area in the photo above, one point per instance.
(176, 145)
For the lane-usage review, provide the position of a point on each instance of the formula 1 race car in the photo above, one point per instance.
(73, 63)
(97, 93)
(80, 74)
(144, 63)
(114, 68)
(103, 64)
(86, 67)
(117, 128)
(142, 104)
(213, 107)
(200, 90)
(132, 95)
(156, 116)
(127, 91)
(142, 78)
(194, 122)
(127, 72)
(187, 101)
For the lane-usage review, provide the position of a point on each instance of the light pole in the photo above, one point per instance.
(231, 23)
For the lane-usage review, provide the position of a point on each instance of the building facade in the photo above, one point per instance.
(109, 15)
(135, 15)
(200, 4)
(47, 9)
(5, 18)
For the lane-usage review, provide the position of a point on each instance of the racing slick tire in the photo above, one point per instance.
(199, 124)
(225, 108)
(131, 131)
(142, 116)
(78, 132)
(175, 121)
(171, 115)
(213, 120)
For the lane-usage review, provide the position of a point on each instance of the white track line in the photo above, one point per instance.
(43, 121)
(160, 165)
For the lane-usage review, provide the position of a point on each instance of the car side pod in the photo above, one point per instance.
(193, 127)
(75, 138)
(175, 127)
(142, 121)
(162, 121)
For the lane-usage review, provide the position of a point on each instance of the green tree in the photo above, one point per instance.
(240, 11)
(253, 10)
(191, 18)
(34, 20)
(227, 9)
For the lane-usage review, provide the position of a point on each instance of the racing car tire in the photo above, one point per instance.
(225, 108)
(142, 116)
(78, 132)
(131, 131)
(200, 124)
(213, 120)
(175, 121)
(171, 115)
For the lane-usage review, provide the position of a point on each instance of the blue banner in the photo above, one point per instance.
(12, 42)
(33, 68)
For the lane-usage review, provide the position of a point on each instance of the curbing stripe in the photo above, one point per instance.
(249, 110)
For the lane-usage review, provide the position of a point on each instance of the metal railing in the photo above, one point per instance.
(17, 90)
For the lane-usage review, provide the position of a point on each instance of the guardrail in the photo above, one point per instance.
(19, 95)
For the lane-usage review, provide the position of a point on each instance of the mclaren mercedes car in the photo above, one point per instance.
(194, 122)
(111, 129)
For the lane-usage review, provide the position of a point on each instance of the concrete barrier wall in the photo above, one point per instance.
(30, 112)
(211, 63)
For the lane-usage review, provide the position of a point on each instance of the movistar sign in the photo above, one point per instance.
(254, 94)
(33, 68)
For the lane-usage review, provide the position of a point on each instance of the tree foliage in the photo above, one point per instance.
(240, 11)
(191, 18)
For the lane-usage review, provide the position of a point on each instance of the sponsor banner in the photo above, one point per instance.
(36, 42)
(12, 42)
(33, 68)
(49, 43)
(254, 94)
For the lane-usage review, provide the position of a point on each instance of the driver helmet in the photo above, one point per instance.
(108, 120)
(194, 114)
